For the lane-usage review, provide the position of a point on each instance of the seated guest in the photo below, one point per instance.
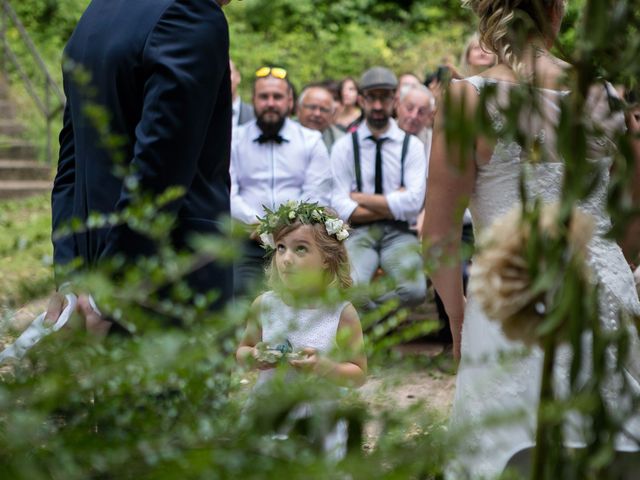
(273, 160)
(242, 111)
(316, 110)
(349, 114)
(476, 59)
(415, 109)
(379, 174)
(404, 80)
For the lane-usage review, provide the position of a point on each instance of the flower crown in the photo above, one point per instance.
(292, 211)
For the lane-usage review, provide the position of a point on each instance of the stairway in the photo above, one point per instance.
(21, 175)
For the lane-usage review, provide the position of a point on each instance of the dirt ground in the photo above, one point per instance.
(386, 387)
(432, 387)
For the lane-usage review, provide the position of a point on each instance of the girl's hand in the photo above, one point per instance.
(307, 361)
(256, 356)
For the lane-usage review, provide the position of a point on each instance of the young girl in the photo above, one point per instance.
(309, 262)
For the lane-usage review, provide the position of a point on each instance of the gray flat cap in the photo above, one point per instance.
(378, 77)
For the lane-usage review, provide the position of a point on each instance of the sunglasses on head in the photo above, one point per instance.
(273, 71)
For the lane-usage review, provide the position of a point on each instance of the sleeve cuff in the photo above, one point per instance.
(395, 206)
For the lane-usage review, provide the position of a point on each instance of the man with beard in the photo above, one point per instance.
(273, 160)
(379, 175)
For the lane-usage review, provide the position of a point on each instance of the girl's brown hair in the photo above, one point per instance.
(334, 254)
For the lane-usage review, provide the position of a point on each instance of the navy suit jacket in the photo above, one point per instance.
(160, 68)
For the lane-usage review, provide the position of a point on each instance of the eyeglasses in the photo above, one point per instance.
(277, 72)
(311, 107)
(383, 98)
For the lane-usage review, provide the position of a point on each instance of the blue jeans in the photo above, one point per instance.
(395, 250)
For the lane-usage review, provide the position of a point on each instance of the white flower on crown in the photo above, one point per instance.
(333, 225)
(267, 240)
(292, 204)
(292, 214)
(342, 234)
(316, 215)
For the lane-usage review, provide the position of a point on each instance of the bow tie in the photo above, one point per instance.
(270, 138)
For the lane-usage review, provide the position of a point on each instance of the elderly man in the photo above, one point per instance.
(273, 160)
(379, 175)
(316, 108)
(415, 110)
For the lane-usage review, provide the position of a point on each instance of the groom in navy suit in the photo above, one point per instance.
(160, 68)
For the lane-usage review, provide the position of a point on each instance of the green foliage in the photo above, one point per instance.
(25, 250)
(171, 403)
(319, 40)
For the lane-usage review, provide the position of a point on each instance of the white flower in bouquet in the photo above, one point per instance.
(267, 240)
(342, 234)
(333, 225)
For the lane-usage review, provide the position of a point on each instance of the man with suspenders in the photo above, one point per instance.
(379, 176)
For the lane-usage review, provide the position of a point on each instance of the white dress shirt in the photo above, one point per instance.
(235, 112)
(270, 174)
(425, 136)
(404, 205)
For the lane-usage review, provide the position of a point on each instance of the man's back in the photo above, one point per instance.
(159, 68)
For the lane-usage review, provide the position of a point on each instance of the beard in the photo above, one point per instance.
(270, 127)
(379, 121)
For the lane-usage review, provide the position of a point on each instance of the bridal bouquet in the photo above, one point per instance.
(501, 273)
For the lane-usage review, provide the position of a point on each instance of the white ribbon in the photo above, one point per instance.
(36, 331)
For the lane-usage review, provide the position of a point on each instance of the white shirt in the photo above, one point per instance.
(425, 136)
(404, 205)
(270, 174)
(235, 110)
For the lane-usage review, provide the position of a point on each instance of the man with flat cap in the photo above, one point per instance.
(379, 174)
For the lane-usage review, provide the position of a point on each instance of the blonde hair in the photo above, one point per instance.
(333, 251)
(505, 25)
(466, 68)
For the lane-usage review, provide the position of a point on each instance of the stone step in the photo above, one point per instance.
(19, 189)
(17, 149)
(24, 170)
(11, 128)
(7, 108)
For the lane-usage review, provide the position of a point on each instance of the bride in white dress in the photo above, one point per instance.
(487, 176)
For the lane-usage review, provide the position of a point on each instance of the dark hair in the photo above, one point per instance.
(342, 83)
(333, 86)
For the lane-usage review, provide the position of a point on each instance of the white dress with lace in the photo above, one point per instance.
(498, 381)
(302, 327)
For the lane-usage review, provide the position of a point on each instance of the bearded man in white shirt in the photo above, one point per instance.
(379, 176)
(273, 160)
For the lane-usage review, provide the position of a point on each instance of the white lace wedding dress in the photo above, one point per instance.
(498, 380)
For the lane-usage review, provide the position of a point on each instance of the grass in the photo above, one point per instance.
(25, 250)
